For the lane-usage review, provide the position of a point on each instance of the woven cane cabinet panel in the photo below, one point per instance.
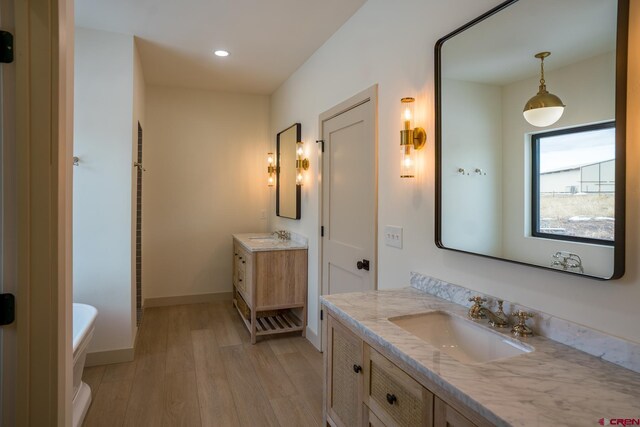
(344, 376)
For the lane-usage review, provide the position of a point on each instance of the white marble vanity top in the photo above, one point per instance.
(553, 385)
(257, 242)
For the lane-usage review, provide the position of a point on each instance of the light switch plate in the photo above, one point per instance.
(393, 236)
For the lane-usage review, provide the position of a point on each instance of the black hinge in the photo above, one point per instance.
(322, 231)
(321, 315)
(6, 47)
(322, 142)
(7, 309)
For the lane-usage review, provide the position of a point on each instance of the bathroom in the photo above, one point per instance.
(206, 125)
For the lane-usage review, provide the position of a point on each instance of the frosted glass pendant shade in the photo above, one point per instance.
(545, 108)
(542, 117)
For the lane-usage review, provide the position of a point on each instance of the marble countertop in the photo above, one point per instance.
(257, 242)
(553, 385)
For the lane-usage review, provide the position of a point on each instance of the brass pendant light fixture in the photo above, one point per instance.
(545, 108)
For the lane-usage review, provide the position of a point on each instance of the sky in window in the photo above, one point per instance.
(577, 149)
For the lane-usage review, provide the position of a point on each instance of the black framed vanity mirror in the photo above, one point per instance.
(287, 189)
(530, 135)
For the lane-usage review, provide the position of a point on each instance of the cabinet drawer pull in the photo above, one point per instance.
(357, 369)
(391, 398)
(239, 280)
(243, 262)
(240, 257)
(236, 253)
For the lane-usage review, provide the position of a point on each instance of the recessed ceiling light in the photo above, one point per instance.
(221, 53)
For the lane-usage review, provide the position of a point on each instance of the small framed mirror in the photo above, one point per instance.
(530, 135)
(287, 189)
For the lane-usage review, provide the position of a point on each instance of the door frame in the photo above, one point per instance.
(368, 95)
(44, 137)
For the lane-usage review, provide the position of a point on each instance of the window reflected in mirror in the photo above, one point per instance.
(574, 184)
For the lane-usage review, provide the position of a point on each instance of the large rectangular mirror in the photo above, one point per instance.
(530, 135)
(287, 190)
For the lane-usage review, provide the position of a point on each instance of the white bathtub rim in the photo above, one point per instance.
(83, 334)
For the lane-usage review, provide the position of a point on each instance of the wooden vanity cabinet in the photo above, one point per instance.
(446, 416)
(344, 375)
(364, 388)
(270, 290)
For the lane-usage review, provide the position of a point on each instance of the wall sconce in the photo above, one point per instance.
(545, 108)
(302, 163)
(271, 170)
(411, 139)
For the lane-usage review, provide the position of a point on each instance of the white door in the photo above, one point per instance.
(349, 197)
(8, 227)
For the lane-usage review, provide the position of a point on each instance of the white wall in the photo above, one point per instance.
(391, 43)
(102, 208)
(473, 201)
(206, 159)
(598, 75)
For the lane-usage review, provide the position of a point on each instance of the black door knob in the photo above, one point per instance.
(363, 265)
(357, 369)
(391, 398)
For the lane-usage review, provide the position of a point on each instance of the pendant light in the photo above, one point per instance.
(545, 108)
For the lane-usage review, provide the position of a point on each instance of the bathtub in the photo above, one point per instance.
(84, 319)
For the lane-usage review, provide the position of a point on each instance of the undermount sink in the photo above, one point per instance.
(264, 239)
(460, 338)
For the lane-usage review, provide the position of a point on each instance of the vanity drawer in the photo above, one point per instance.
(243, 271)
(393, 396)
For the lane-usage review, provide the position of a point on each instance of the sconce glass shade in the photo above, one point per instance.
(302, 163)
(271, 170)
(408, 109)
(407, 162)
(411, 139)
(545, 108)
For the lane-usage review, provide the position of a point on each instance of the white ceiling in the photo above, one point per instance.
(501, 49)
(268, 39)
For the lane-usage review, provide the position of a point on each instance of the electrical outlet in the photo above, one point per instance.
(263, 214)
(393, 236)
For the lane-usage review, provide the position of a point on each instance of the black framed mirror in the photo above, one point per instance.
(287, 190)
(530, 135)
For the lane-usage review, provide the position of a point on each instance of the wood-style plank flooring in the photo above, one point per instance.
(194, 366)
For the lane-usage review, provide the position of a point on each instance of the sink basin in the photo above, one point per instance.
(263, 239)
(460, 338)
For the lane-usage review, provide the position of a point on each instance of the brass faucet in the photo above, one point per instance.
(498, 319)
(477, 311)
(521, 329)
(282, 235)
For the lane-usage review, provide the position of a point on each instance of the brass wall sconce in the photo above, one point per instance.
(271, 170)
(545, 108)
(302, 163)
(411, 139)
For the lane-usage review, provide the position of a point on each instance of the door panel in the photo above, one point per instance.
(348, 184)
(349, 200)
(340, 280)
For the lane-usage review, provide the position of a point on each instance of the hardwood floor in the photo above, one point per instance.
(194, 366)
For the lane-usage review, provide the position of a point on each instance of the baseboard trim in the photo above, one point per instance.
(187, 299)
(313, 338)
(109, 357)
